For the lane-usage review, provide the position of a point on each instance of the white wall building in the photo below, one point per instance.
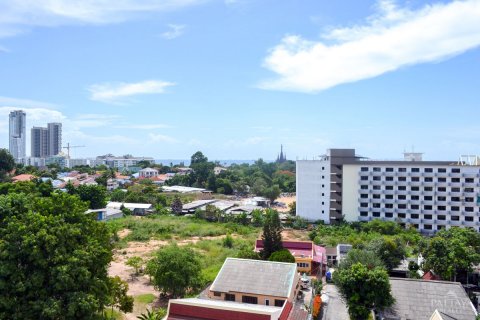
(17, 134)
(121, 162)
(148, 173)
(429, 195)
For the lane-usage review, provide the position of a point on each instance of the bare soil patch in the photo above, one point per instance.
(295, 235)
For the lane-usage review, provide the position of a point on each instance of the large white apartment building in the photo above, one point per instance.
(429, 195)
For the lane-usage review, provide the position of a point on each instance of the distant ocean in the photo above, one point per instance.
(226, 163)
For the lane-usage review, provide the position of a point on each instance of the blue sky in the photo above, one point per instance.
(237, 78)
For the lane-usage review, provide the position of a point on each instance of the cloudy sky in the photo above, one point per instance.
(237, 78)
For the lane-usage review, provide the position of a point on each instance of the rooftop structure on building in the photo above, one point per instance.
(182, 189)
(17, 139)
(419, 299)
(139, 209)
(429, 195)
(123, 162)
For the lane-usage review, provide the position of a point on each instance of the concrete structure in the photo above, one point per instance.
(33, 161)
(256, 282)
(54, 138)
(17, 143)
(308, 256)
(139, 209)
(124, 162)
(419, 300)
(70, 163)
(106, 214)
(39, 142)
(148, 173)
(182, 189)
(429, 195)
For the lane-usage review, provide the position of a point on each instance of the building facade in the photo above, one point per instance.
(54, 138)
(17, 134)
(428, 195)
(39, 142)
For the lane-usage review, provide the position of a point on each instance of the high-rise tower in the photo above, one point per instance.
(39, 142)
(54, 138)
(17, 134)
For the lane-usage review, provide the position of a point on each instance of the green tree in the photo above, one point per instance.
(119, 298)
(7, 163)
(228, 241)
(363, 289)
(53, 259)
(365, 257)
(390, 250)
(413, 268)
(282, 256)
(258, 218)
(176, 271)
(292, 208)
(135, 262)
(272, 192)
(272, 234)
(95, 195)
(177, 205)
(153, 315)
(248, 254)
(451, 251)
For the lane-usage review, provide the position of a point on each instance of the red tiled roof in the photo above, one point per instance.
(23, 177)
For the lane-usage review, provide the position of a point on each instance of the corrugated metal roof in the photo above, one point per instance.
(418, 300)
(255, 277)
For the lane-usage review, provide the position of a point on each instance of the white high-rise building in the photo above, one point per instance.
(17, 134)
(428, 195)
(54, 138)
(39, 142)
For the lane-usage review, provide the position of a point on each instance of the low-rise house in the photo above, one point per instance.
(203, 309)
(247, 209)
(419, 300)
(218, 170)
(148, 173)
(256, 282)
(182, 189)
(308, 256)
(107, 214)
(191, 207)
(112, 184)
(257, 201)
(23, 177)
(138, 209)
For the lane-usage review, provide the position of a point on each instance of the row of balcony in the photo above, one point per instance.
(419, 174)
(422, 211)
(418, 183)
(419, 202)
(424, 221)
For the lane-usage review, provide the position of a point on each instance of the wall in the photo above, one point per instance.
(350, 189)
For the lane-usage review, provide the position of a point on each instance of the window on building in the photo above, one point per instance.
(442, 179)
(403, 179)
(428, 189)
(376, 169)
(441, 198)
(388, 214)
(414, 216)
(402, 188)
(469, 190)
(414, 206)
(415, 169)
(442, 170)
(375, 196)
(250, 299)
(363, 178)
(377, 178)
(455, 218)
(455, 180)
(402, 206)
(389, 206)
(428, 207)
(376, 214)
(427, 216)
(469, 199)
(267, 302)
(363, 213)
(442, 189)
(455, 170)
(428, 179)
(402, 197)
(376, 187)
(389, 169)
(442, 217)
(455, 208)
(469, 180)
(469, 219)
(468, 209)
(388, 178)
(414, 197)
(428, 198)
(428, 170)
(229, 297)
(415, 188)
(456, 199)
(364, 169)
(415, 179)
(442, 208)
(217, 294)
(279, 302)
(402, 169)
(427, 227)
(389, 196)
(455, 189)
(402, 215)
(376, 205)
(364, 196)
(364, 187)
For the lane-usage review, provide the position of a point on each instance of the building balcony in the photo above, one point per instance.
(414, 220)
(429, 174)
(360, 218)
(470, 174)
(455, 194)
(441, 222)
(428, 193)
(427, 221)
(455, 223)
(389, 174)
(415, 193)
(455, 174)
(455, 184)
(388, 192)
(402, 183)
(432, 212)
(441, 174)
(455, 203)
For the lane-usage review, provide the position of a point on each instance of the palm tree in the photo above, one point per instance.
(152, 315)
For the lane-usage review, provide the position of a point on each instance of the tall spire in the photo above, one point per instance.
(281, 157)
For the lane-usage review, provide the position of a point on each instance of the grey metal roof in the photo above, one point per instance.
(255, 277)
(418, 300)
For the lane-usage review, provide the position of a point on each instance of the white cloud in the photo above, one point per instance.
(161, 138)
(392, 38)
(115, 92)
(18, 16)
(255, 140)
(21, 103)
(144, 126)
(176, 30)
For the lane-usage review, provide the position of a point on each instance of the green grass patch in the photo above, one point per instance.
(145, 298)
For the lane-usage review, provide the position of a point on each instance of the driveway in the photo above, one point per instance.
(335, 308)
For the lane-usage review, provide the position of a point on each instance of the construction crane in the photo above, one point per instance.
(68, 147)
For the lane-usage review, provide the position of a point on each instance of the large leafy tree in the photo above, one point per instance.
(175, 270)
(272, 233)
(363, 289)
(7, 163)
(451, 251)
(177, 205)
(53, 259)
(365, 257)
(282, 256)
(390, 250)
(95, 195)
